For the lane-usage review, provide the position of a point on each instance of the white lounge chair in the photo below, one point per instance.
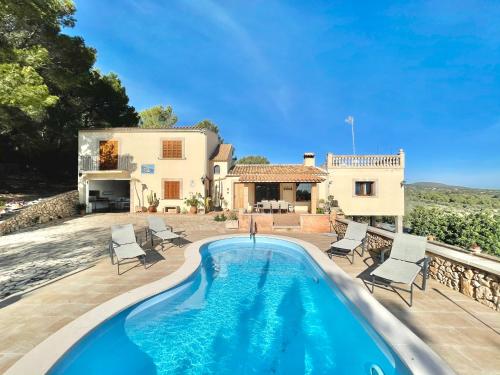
(124, 245)
(355, 236)
(406, 260)
(158, 228)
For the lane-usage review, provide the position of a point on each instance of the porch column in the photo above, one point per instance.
(398, 220)
(314, 198)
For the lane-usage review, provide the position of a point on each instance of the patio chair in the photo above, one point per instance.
(406, 260)
(158, 228)
(124, 245)
(284, 206)
(266, 205)
(275, 206)
(355, 236)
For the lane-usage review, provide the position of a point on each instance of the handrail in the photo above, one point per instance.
(93, 163)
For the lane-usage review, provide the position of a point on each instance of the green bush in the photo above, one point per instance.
(460, 229)
(220, 217)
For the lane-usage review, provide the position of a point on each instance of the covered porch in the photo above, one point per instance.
(277, 188)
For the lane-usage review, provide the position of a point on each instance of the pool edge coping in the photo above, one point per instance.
(415, 354)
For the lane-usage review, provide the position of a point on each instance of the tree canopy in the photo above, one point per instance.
(207, 124)
(253, 159)
(49, 88)
(157, 117)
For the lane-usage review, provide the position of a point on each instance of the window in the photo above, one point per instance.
(364, 188)
(171, 190)
(217, 169)
(172, 149)
(267, 191)
(303, 193)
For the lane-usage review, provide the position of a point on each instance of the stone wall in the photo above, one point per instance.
(476, 283)
(57, 207)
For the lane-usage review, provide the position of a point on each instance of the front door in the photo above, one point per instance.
(239, 195)
(108, 155)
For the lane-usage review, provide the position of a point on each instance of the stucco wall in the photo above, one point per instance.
(145, 147)
(389, 191)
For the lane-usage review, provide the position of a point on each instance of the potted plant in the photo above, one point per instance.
(475, 248)
(81, 208)
(153, 201)
(193, 202)
(232, 221)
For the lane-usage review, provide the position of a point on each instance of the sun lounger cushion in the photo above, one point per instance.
(166, 235)
(408, 247)
(356, 231)
(346, 244)
(128, 251)
(398, 271)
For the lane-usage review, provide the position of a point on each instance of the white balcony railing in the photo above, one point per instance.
(96, 163)
(366, 161)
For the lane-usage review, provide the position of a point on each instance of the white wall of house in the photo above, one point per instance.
(387, 173)
(145, 148)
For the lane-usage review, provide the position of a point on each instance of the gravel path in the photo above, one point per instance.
(39, 254)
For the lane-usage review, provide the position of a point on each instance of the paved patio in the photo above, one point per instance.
(465, 333)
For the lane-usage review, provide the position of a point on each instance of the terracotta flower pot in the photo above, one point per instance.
(151, 209)
(193, 209)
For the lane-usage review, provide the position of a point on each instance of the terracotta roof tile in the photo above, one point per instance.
(277, 173)
(222, 152)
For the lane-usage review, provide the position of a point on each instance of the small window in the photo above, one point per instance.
(172, 149)
(217, 169)
(172, 190)
(303, 193)
(364, 188)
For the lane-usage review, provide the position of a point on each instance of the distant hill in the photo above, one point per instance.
(458, 198)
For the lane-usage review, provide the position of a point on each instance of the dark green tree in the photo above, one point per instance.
(49, 88)
(157, 117)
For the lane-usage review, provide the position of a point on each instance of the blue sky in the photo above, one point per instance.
(280, 77)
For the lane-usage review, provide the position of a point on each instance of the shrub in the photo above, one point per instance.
(220, 217)
(460, 229)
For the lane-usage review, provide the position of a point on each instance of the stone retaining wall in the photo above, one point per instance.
(57, 207)
(476, 283)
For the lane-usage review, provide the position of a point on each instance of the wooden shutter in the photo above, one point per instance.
(108, 155)
(172, 190)
(172, 149)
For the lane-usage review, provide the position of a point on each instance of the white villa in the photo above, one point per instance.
(120, 167)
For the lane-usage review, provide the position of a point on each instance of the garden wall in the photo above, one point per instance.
(57, 207)
(468, 274)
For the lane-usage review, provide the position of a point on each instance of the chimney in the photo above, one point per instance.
(309, 159)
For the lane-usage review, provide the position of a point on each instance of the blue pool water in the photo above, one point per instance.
(252, 308)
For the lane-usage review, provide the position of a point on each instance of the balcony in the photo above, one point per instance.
(90, 163)
(366, 161)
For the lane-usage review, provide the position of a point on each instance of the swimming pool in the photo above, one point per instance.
(252, 307)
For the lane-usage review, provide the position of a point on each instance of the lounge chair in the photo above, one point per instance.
(158, 228)
(124, 245)
(355, 236)
(406, 260)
